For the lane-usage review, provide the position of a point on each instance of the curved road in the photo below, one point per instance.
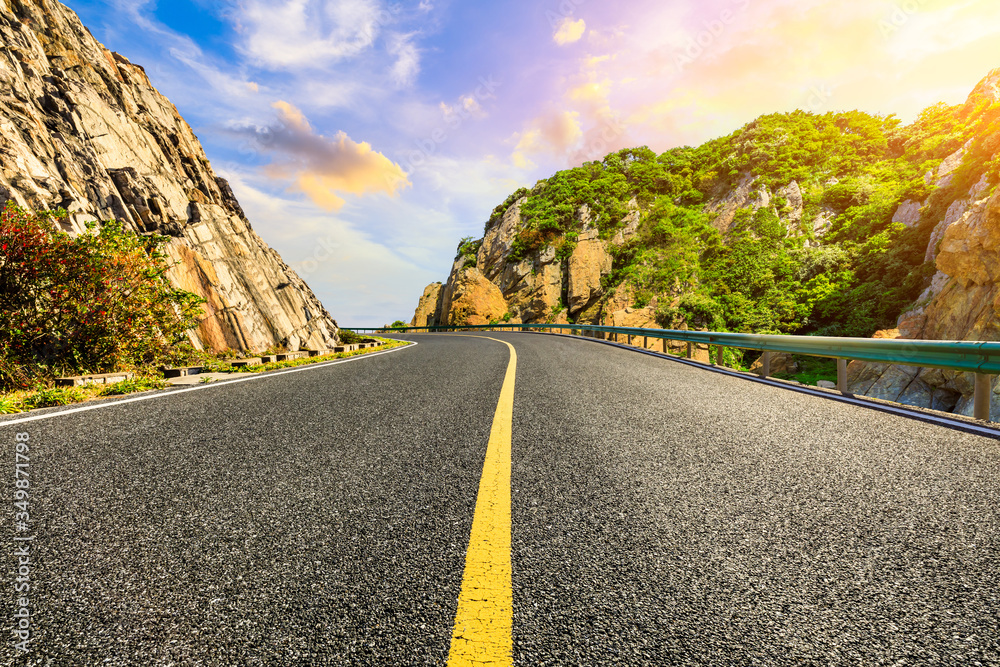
(659, 515)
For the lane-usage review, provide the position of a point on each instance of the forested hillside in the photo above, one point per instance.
(815, 250)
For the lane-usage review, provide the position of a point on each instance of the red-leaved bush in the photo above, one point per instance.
(96, 302)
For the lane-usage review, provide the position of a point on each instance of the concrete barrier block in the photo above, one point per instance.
(101, 378)
(243, 363)
(180, 371)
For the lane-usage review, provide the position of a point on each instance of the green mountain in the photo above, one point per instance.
(795, 223)
(841, 224)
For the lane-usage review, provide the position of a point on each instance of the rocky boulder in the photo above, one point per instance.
(473, 300)
(781, 364)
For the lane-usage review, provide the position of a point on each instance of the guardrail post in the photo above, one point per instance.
(981, 409)
(842, 376)
(664, 346)
(690, 350)
(720, 356)
(765, 364)
(645, 342)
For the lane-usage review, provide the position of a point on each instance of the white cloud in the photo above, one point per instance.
(329, 253)
(466, 107)
(282, 34)
(222, 78)
(407, 55)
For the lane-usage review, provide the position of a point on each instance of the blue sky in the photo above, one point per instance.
(364, 138)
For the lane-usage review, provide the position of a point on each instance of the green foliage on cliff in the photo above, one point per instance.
(468, 247)
(765, 271)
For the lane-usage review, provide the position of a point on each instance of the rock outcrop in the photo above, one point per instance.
(471, 299)
(962, 303)
(429, 306)
(963, 299)
(83, 128)
(588, 264)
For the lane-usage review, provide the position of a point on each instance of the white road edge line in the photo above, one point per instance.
(224, 383)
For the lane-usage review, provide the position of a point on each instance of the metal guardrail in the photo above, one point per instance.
(981, 358)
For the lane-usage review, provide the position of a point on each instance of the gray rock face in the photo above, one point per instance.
(83, 128)
(954, 213)
(908, 213)
(945, 172)
(742, 196)
(988, 89)
(498, 240)
(795, 206)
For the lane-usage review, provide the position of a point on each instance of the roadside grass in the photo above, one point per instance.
(132, 386)
(22, 401)
(46, 397)
(225, 367)
(812, 370)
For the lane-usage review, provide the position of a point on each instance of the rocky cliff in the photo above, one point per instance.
(565, 281)
(82, 128)
(543, 286)
(962, 301)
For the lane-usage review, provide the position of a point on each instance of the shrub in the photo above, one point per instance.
(99, 301)
(468, 246)
(348, 337)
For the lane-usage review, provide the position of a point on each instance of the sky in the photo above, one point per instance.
(365, 138)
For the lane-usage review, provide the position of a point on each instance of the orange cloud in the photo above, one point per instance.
(322, 167)
(554, 133)
(569, 31)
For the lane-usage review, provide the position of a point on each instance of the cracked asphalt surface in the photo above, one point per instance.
(662, 515)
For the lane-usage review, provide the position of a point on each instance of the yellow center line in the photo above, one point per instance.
(485, 618)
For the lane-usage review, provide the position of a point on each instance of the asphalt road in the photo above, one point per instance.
(661, 515)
